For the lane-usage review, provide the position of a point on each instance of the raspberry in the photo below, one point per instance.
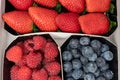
(54, 78)
(21, 44)
(40, 75)
(53, 68)
(23, 61)
(45, 61)
(29, 44)
(33, 59)
(13, 72)
(24, 73)
(51, 50)
(39, 42)
(14, 54)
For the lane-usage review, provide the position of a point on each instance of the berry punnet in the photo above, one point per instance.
(81, 59)
(38, 62)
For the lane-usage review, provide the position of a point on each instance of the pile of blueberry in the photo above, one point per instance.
(87, 59)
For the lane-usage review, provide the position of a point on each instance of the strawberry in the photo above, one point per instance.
(24, 73)
(47, 3)
(39, 42)
(51, 51)
(68, 22)
(53, 68)
(20, 21)
(98, 5)
(14, 72)
(43, 18)
(20, 4)
(94, 23)
(54, 78)
(40, 74)
(33, 59)
(74, 5)
(14, 54)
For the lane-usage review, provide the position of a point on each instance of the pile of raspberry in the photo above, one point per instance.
(35, 59)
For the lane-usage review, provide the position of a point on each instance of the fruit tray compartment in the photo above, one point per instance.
(7, 38)
(112, 18)
(62, 42)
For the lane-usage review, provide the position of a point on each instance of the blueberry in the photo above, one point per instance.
(67, 47)
(100, 62)
(100, 78)
(93, 57)
(84, 40)
(87, 51)
(67, 66)
(83, 60)
(108, 74)
(77, 73)
(69, 78)
(104, 48)
(85, 69)
(74, 43)
(97, 73)
(75, 53)
(76, 64)
(96, 45)
(91, 67)
(83, 75)
(108, 55)
(105, 67)
(89, 77)
(67, 56)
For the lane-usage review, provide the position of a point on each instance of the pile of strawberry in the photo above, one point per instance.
(35, 59)
(43, 14)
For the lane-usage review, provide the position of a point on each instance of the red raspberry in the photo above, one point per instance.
(21, 44)
(53, 68)
(23, 61)
(14, 54)
(51, 50)
(29, 44)
(24, 73)
(54, 78)
(33, 59)
(13, 72)
(39, 42)
(40, 75)
(46, 61)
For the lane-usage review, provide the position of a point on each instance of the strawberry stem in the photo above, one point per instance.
(58, 7)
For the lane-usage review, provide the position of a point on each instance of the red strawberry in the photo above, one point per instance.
(74, 5)
(14, 72)
(98, 5)
(24, 73)
(40, 75)
(43, 18)
(14, 54)
(68, 22)
(94, 23)
(20, 21)
(51, 51)
(33, 59)
(47, 3)
(39, 42)
(53, 68)
(54, 78)
(20, 4)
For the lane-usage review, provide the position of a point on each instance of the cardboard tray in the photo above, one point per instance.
(7, 38)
